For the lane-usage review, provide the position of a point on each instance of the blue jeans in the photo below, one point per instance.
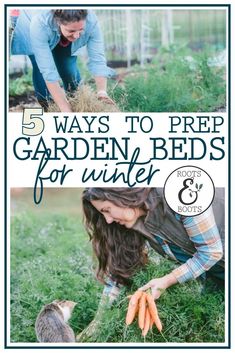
(67, 69)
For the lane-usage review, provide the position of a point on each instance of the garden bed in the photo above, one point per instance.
(175, 81)
(18, 102)
(51, 258)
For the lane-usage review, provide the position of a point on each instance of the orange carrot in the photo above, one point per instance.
(142, 308)
(133, 307)
(146, 322)
(136, 296)
(151, 322)
(153, 311)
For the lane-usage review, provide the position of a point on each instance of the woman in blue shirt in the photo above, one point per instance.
(52, 39)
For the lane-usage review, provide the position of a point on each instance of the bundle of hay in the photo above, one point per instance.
(86, 100)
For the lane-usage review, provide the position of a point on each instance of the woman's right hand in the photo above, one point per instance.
(59, 96)
(89, 333)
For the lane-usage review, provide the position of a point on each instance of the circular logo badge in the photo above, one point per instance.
(189, 190)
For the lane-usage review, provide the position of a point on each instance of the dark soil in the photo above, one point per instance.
(17, 103)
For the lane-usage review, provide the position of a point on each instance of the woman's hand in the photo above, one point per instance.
(59, 96)
(158, 285)
(101, 86)
(89, 333)
(103, 96)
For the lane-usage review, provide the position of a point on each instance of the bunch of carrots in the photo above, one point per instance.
(142, 304)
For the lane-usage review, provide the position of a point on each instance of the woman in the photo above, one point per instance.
(121, 220)
(51, 39)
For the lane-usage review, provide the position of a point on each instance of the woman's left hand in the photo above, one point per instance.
(158, 285)
(103, 96)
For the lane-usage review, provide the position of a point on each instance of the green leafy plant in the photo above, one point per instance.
(176, 80)
(51, 258)
(21, 85)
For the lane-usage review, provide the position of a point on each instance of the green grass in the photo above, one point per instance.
(51, 259)
(176, 81)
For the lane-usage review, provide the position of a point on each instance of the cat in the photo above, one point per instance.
(51, 323)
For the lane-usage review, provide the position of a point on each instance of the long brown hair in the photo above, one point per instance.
(120, 251)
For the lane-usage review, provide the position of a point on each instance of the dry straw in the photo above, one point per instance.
(85, 100)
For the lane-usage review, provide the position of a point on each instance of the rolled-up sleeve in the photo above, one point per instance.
(203, 232)
(96, 58)
(111, 290)
(42, 52)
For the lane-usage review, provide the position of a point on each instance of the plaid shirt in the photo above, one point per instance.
(203, 232)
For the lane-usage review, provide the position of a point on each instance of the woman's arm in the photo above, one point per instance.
(101, 86)
(110, 293)
(59, 96)
(91, 331)
(101, 83)
(111, 290)
(203, 232)
(97, 62)
(95, 47)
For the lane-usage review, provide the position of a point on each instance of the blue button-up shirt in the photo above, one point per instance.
(37, 33)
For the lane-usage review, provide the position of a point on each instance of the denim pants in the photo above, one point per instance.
(67, 69)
